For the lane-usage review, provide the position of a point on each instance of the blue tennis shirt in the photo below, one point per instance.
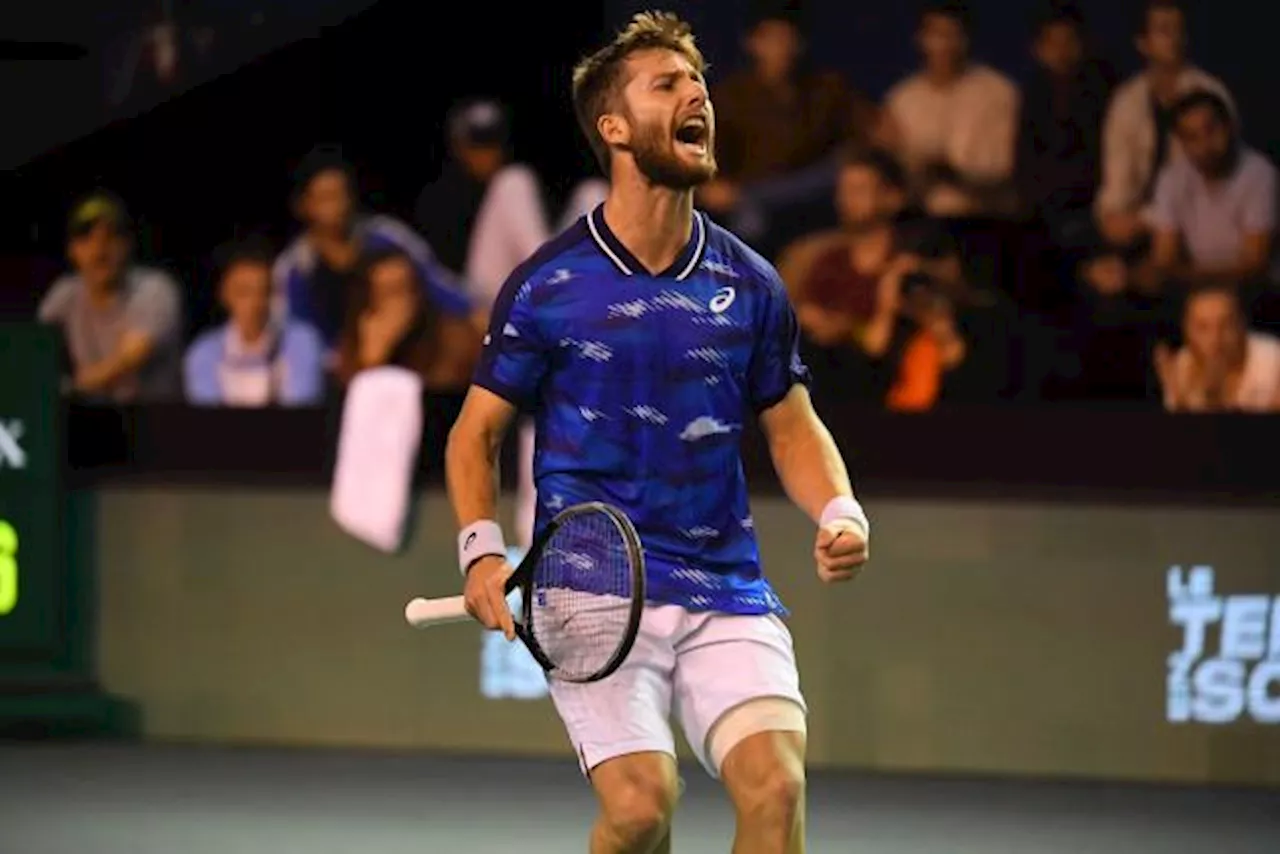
(640, 386)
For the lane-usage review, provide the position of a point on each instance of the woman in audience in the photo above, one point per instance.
(1222, 365)
(392, 321)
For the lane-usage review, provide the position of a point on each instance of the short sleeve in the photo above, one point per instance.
(57, 302)
(154, 309)
(200, 371)
(1259, 214)
(1164, 203)
(775, 359)
(514, 358)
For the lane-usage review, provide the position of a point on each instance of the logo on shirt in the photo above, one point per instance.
(12, 453)
(471, 538)
(722, 300)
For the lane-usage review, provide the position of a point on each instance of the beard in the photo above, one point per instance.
(655, 156)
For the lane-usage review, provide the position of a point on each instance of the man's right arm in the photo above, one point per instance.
(471, 474)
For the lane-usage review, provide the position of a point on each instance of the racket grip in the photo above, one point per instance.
(423, 613)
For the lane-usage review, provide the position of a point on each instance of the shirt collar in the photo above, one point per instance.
(681, 268)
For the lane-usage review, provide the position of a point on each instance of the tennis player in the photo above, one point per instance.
(641, 339)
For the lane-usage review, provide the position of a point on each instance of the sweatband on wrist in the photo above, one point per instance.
(479, 539)
(844, 507)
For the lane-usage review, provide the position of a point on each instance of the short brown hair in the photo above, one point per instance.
(598, 79)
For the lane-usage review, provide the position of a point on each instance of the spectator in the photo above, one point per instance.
(864, 291)
(1214, 212)
(1137, 136)
(251, 360)
(122, 323)
(1222, 366)
(313, 277)
(1060, 134)
(779, 126)
(590, 193)
(392, 320)
(953, 124)
(846, 283)
(485, 214)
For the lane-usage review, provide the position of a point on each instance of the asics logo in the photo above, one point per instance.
(722, 300)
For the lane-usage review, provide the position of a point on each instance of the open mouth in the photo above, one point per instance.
(693, 133)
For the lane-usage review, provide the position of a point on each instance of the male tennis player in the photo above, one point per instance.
(641, 339)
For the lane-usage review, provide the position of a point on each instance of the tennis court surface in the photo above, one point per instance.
(60, 798)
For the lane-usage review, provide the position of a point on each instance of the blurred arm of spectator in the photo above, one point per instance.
(589, 193)
(510, 227)
(152, 315)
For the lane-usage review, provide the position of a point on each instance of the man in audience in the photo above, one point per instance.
(1214, 212)
(779, 126)
(863, 290)
(122, 323)
(1137, 136)
(485, 214)
(1222, 367)
(313, 277)
(1060, 134)
(953, 124)
(251, 360)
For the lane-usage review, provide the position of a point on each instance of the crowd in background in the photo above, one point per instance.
(967, 240)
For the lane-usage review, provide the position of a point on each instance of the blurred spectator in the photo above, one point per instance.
(779, 125)
(1113, 322)
(846, 284)
(485, 214)
(122, 323)
(590, 193)
(313, 278)
(1060, 134)
(393, 320)
(1137, 134)
(251, 360)
(1222, 366)
(953, 124)
(1214, 212)
(884, 303)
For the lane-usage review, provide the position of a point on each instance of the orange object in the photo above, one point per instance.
(919, 380)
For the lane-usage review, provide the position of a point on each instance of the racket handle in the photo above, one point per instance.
(423, 613)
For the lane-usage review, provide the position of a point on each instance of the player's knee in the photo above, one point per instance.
(765, 776)
(637, 807)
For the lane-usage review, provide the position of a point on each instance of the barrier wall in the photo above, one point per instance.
(1029, 637)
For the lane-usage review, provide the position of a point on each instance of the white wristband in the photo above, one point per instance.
(477, 540)
(844, 507)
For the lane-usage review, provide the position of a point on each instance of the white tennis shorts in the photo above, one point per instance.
(695, 666)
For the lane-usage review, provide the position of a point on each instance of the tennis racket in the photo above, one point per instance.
(582, 589)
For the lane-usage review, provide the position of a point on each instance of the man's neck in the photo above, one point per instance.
(103, 294)
(654, 223)
(943, 76)
(250, 335)
(871, 248)
(1164, 80)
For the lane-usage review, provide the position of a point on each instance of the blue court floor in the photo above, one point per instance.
(60, 798)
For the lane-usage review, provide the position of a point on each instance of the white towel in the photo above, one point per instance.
(377, 451)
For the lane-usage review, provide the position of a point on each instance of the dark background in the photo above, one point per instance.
(216, 162)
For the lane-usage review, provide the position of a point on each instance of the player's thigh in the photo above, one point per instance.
(736, 677)
(629, 711)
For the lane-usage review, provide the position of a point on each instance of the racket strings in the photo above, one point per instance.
(581, 595)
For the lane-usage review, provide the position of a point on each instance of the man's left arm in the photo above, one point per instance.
(804, 454)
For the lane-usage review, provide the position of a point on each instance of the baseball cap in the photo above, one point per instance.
(481, 122)
(96, 208)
